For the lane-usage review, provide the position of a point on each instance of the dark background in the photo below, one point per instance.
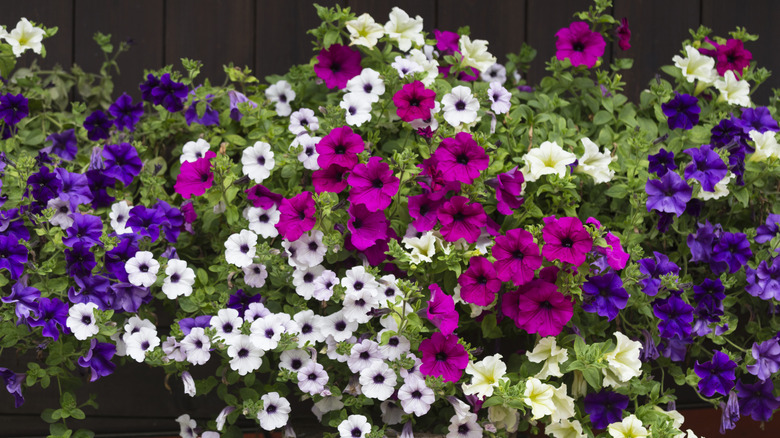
(269, 36)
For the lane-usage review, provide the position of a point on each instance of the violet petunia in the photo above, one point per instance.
(13, 256)
(52, 312)
(676, 317)
(13, 384)
(479, 284)
(670, 194)
(122, 162)
(97, 125)
(461, 219)
(682, 111)
(126, 114)
(195, 177)
(169, 93)
(341, 146)
(605, 407)
(365, 226)
(337, 64)
(579, 44)
(25, 298)
(538, 307)
(717, 375)
(98, 359)
(767, 356)
(86, 228)
(757, 399)
(604, 295)
(63, 144)
(13, 108)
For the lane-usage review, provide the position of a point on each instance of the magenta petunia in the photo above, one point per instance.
(508, 187)
(443, 356)
(341, 146)
(479, 283)
(461, 158)
(337, 64)
(579, 44)
(730, 56)
(414, 101)
(431, 177)
(366, 226)
(375, 254)
(616, 256)
(261, 197)
(538, 307)
(441, 310)
(461, 218)
(332, 179)
(373, 184)
(423, 209)
(297, 216)
(566, 239)
(517, 256)
(195, 177)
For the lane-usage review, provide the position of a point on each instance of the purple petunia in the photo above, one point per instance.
(730, 253)
(682, 111)
(661, 162)
(604, 295)
(670, 194)
(80, 260)
(707, 167)
(210, 115)
(717, 375)
(517, 256)
(86, 229)
(337, 64)
(769, 230)
(605, 407)
(13, 108)
(764, 281)
(461, 218)
(145, 222)
(423, 209)
(702, 240)
(240, 301)
(441, 310)
(297, 216)
(122, 162)
(128, 297)
(98, 359)
(52, 312)
(479, 283)
(365, 226)
(25, 298)
(169, 93)
(756, 119)
(237, 98)
(74, 188)
(97, 125)
(13, 384)
(709, 305)
(92, 289)
(99, 183)
(767, 356)
(187, 324)
(13, 256)
(579, 44)
(125, 114)
(508, 187)
(757, 399)
(676, 317)
(63, 144)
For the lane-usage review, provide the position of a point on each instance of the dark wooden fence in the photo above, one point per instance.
(270, 35)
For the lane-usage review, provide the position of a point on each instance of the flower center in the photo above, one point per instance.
(144, 268)
(263, 218)
(86, 320)
(356, 433)
(441, 356)
(462, 159)
(270, 409)
(295, 364)
(242, 353)
(340, 326)
(339, 149)
(261, 160)
(306, 329)
(460, 105)
(578, 46)
(377, 183)
(308, 277)
(566, 242)
(416, 394)
(379, 379)
(175, 278)
(244, 248)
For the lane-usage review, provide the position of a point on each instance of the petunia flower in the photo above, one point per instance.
(767, 357)
(281, 94)
(605, 407)
(258, 161)
(486, 375)
(731, 56)
(461, 219)
(98, 359)
(357, 109)
(195, 177)
(604, 295)
(547, 159)
(461, 158)
(126, 115)
(623, 360)
(629, 427)
(595, 163)
(459, 106)
(538, 307)
(364, 31)
(240, 248)
(336, 65)
(341, 147)
(372, 185)
(296, 216)
(757, 399)
(122, 162)
(682, 111)
(696, 66)
(579, 44)
(51, 313)
(23, 37)
(479, 283)
(368, 84)
(733, 90)
(63, 144)
(624, 34)
(404, 30)
(475, 54)
(413, 101)
(547, 351)
(566, 239)
(97, 125)
(717, 375)
(670, 194)
(237, 99)
(169, 93)
(441, 310)
(443, 356)
(538, 396)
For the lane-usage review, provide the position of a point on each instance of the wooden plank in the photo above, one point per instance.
(215, 32)
(380, 10)
(501, 24)
(138, 22)
(543, 19)
(724, 16)
(50, 13)
(656, 36)
(281, 37)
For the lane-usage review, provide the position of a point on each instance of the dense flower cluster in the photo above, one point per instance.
(382, 234)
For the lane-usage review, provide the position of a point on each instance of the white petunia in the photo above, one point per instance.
(62, 215)
(396, 346)
(494, 73)
(193, 150)
(548, 352)
(406, 67)
(24, 36)
(338, 327)
(368, 83)
(303, 121)
(630, 427)
(404, 29)
(244, 354)
(564, 405)
(499, 98)
(538, 396)
(696, 66)
(459, 106)
(81, 320)
(388, 290)
(430, 67)
(504, 417)
(732, 90)
(120, 213)
(422, 248)
(227, 323)
(179, 279)
(547, 159)
(266, 332)
(189, 383)
(312, 378)
(275, 412)
(323, 285)
(196, 346)
(240, 248)
(766, 146)
(415, 396)
(475, 53)
(303, 280)
(357, 304)
(328, 403)
(595, 163)
(721, 189)
(357, 108)
(357, 279)
(262, 221)
(309, 324)
(308, 155)
(465, 426)
(565, 429)
(392, 413)
(624, 363)
(355, 426)
(142, 269)
(364, 31)
(258, 161)
(255, 275)
(254, 311)
(378, 381)
(140, 342)
(187, 426)
(293, 360)
(310, 249)
(364, 355)
(486, 375)
(281, 93)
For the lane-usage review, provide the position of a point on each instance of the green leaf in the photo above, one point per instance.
(742, 195)
(47, 416)
(77, 414)
(203, 276)
(235, 139)
(593, 377)
(492, 401)
(330, 38)
(490, 330)
(187, 305)
(617, 191)
(602, 117)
